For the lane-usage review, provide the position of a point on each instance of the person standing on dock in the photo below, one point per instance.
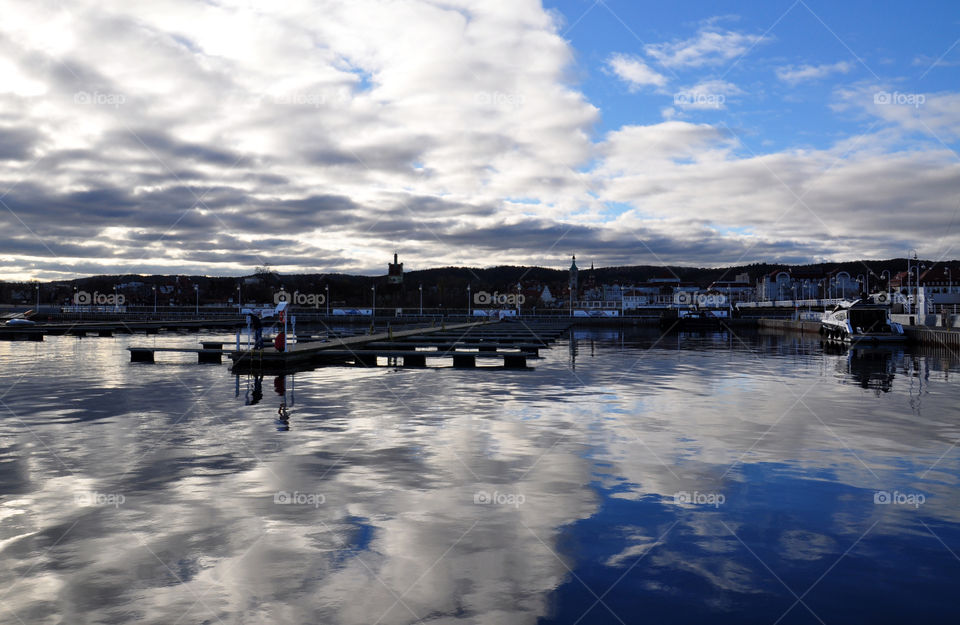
(257, 326)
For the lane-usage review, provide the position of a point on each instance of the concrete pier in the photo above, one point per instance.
(939, 337)
(787, 325)
(923, 335)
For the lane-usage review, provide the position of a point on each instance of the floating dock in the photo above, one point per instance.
(464, 343)
(109, 328)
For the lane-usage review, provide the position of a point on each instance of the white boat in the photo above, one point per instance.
(857, 321)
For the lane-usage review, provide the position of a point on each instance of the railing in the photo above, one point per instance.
(791, 303)
(308, 314)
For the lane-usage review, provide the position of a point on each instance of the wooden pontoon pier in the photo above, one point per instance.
(513, 343)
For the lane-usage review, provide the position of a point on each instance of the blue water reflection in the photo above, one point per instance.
(629, 477)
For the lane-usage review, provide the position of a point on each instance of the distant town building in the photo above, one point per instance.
(591, 282)
(774, 286)
(546, 297)
(663, 289)
(935, 292)
(395, 271)
(840, 284)
(612, 293)
(737, 290)
(803, 283)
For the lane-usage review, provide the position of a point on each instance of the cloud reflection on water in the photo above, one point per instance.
(399, 457)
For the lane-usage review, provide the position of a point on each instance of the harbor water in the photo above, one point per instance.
(626, 477)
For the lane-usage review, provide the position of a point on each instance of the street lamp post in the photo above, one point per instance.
(421, 298)
(154, 287)
(373, 289)
(909, 273)
(917, 267)
(38, 297)
(116, 301)
(887, 283)
(327, 298)
(861, 281)
(518, 299)
(239, 300)
(76, 303)
(196, 289)
(469, 312)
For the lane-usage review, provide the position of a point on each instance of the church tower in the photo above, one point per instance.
(574, 273)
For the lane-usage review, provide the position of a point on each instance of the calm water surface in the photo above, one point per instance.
(626, 479)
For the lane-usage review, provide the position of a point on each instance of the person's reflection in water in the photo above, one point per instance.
(283, 418)
(257, 390)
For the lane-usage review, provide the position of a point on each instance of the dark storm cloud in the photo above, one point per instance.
(16, 144)
(164, 147)
(382, 157)
(181, 211)
(535, 237)
(85, 213)
(432, 207)
(35, 246)
(299, 215)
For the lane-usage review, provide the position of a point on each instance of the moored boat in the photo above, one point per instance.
(693, 319)
(857, 321)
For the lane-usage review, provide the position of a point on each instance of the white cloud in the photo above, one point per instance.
(795, 74)
(323, 144)
(177, 98)
(857, 198)
(707, 94)
(635, 72)
(933, 115)
(708, 47)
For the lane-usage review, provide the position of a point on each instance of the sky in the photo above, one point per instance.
(321, 136)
